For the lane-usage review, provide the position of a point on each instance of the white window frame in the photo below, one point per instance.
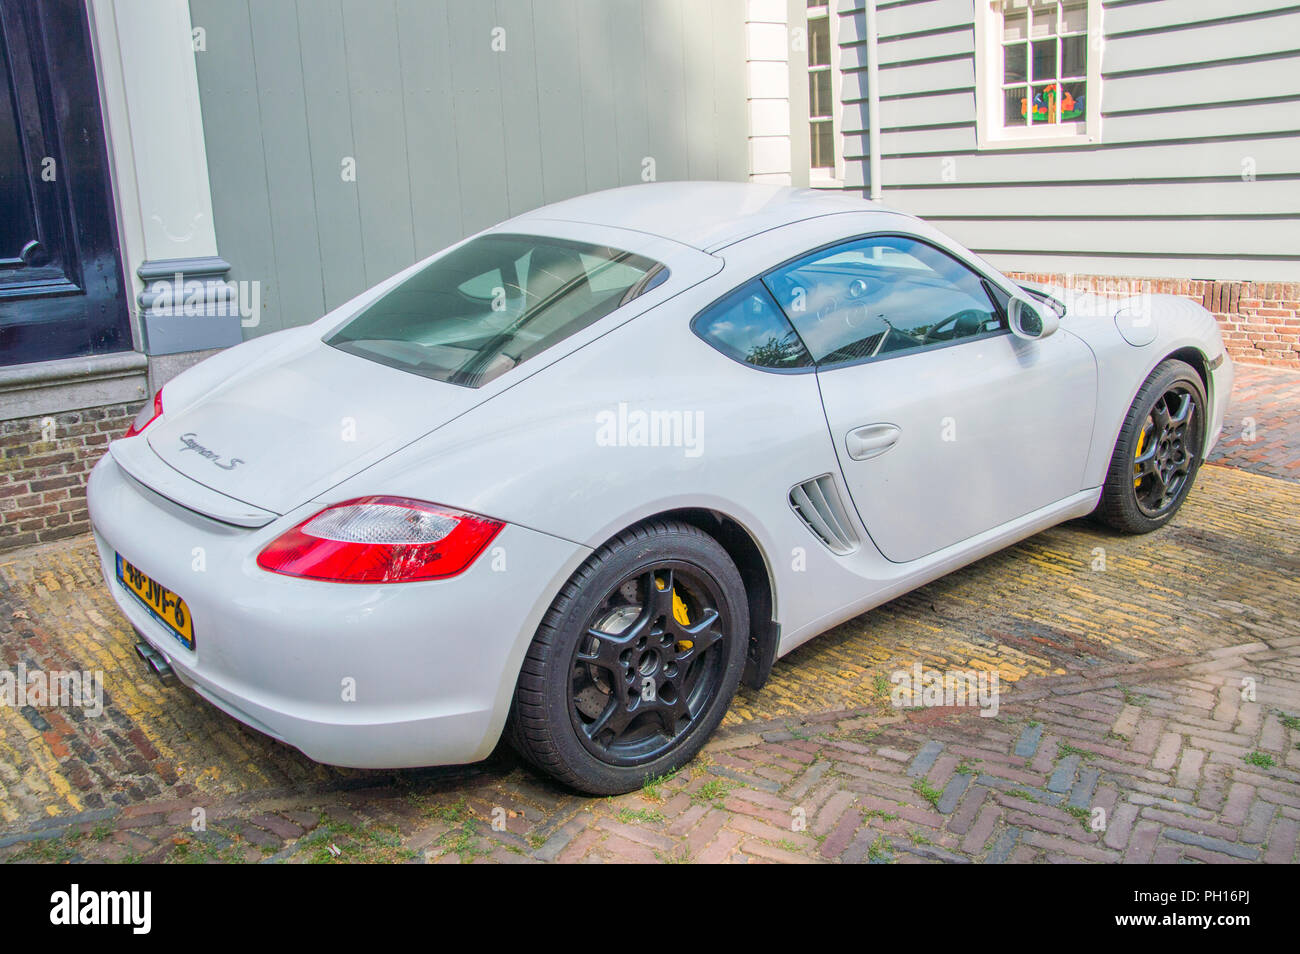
(990, 131)
(823, 178)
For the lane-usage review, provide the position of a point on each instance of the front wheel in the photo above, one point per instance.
(636, 661)
(1158, 453)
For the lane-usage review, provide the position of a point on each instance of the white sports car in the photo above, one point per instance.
(577, 476)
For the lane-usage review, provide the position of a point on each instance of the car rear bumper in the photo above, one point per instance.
(366, 676)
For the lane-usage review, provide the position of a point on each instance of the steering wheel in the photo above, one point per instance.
(933, 333)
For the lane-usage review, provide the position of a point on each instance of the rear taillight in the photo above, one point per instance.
(148, 414)
(381, 540)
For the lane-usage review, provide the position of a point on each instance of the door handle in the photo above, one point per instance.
(871, 440)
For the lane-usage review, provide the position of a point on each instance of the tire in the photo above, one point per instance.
(573, 718)
(1156, 458)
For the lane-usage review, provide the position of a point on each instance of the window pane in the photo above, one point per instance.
(491, 304)
(819, 42)
(1014, 56)
(822, 138)
(880, 296)
(606, 276)
(1014, 27)
(1045, 103)
(747, 326)
(1074, 56)
(1016, 104)
(1072, 102)
(1044, 59)
(819, 93)
(1043, 22)
(1074, 19)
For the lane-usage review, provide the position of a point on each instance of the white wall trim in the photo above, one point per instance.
(121, 164)
(154, 129)
(767, 76)
(159, 161)
(817, 178)
(875, 181)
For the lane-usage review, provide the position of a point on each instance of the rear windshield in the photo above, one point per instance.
(492, 304)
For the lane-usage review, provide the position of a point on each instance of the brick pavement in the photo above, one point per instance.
(1224, 573)
(1161, 761)
(1122, 674)
(1261, 431)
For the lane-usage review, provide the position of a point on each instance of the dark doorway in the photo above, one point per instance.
(61, 282)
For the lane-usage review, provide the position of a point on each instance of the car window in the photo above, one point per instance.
(747, 325)
(491, 304)
(882, 296)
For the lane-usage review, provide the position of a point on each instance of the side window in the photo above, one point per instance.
(748, 326)
(881, 296)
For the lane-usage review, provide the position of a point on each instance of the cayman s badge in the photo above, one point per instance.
(190, 442)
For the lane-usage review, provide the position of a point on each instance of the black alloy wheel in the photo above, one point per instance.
(635, 662)
(1158, 452)
(650, 662)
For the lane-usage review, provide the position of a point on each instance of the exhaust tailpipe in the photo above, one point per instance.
(156, 661)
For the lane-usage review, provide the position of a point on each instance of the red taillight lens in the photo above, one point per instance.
(148, 414)
(381, 540)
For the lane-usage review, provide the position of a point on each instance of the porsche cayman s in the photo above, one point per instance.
(576, 477)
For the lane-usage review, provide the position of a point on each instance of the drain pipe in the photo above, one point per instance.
(873, 104)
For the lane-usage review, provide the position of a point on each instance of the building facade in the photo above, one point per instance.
(177, 177)
(1161, 153)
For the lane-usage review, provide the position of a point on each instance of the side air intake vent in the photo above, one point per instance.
(818, 504)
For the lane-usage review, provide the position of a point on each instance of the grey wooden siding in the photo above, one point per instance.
(448, 136)
(1192, 91)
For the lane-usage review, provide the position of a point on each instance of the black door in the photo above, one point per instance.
(61, 283)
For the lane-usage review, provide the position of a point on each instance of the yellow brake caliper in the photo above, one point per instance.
(1142, 439)
(679, 613)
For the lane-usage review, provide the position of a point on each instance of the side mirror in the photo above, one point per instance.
(1030, 320)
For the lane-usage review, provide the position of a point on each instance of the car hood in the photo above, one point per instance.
(284, 432)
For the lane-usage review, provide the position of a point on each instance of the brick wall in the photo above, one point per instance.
(44, 463)
(1260, 321)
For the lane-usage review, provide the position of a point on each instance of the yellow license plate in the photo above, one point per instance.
(162, 604)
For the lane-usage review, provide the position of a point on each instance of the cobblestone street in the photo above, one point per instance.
(1150, 711)
(1262, 434)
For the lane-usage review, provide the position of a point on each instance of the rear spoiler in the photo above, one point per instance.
(134, 455)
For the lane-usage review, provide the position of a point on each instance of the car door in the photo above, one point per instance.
(945, 424)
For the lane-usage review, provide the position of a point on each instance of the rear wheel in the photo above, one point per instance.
(1158, 453)
(635, 662)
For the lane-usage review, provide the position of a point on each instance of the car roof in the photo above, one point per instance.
(704, 215)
